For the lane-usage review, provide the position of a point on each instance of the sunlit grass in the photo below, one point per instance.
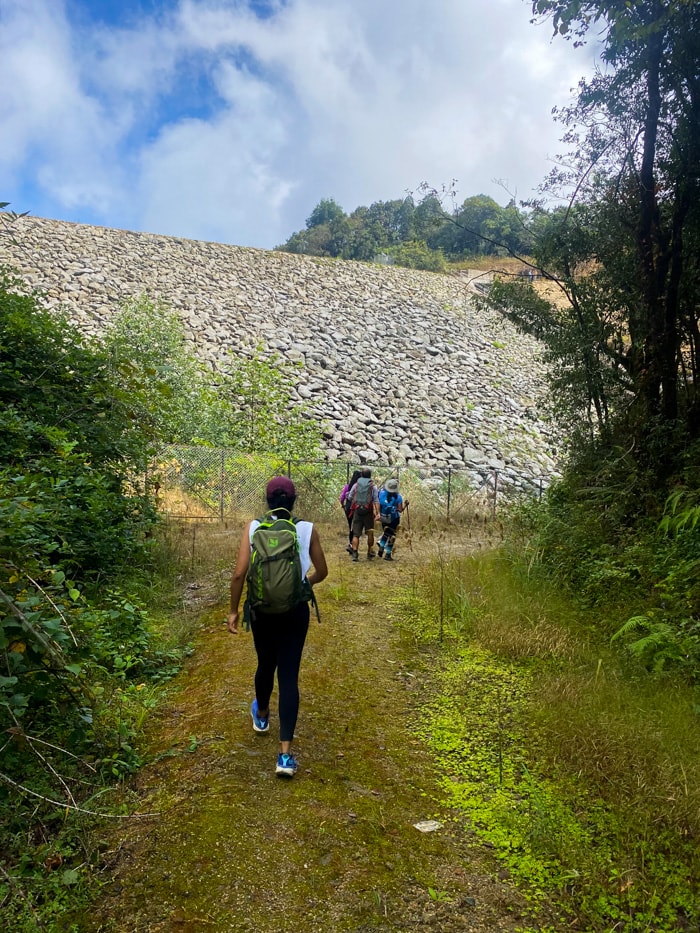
(581, 770)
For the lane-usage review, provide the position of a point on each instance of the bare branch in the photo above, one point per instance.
(66, 806)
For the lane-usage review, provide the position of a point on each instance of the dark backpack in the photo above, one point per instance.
(364, 493)
(275, 581)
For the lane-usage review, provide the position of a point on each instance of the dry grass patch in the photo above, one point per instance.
(638, 744)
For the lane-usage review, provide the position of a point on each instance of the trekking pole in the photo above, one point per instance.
(408, 530)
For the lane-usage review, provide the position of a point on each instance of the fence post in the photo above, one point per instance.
(495, 491)
(289, 469)
(221, 486)
(347, 472)
(540, 495)
(449, 491)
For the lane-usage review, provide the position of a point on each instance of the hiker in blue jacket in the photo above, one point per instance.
(391, 505)
(278, 638)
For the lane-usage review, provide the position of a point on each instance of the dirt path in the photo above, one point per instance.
(236, 849)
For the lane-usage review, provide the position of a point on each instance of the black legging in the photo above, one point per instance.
(279, 643)
(348, 515)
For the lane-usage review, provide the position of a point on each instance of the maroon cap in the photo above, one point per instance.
(281, 484)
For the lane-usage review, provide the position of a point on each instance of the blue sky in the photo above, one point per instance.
(229, 120)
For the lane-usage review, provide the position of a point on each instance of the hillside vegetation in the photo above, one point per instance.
(557, 730)
(416, 233)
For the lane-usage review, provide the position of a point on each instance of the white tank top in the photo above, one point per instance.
(304, 535)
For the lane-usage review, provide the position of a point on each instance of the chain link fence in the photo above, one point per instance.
(203, 483)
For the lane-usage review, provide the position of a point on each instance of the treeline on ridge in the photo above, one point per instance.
(416, 234)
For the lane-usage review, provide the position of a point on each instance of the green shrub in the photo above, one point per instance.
(416, 254)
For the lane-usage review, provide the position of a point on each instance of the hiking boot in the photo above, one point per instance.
(388, 557)
(355, 555)
(380, 551)
(370, 555)
(286, 765)
(259, 724)
(348, 548)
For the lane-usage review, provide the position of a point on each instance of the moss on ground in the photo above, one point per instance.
(232, 847)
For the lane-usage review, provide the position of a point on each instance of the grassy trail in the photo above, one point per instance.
(234, 848)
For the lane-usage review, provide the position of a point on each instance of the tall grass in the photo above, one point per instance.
(582, 769)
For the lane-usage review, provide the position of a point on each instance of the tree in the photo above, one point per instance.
(71, 455)
(428, 216)
(147, 348)
(179, 401)
(326, 211)
(72, 442)
(415, 254)
(636, 131)
(263, 418)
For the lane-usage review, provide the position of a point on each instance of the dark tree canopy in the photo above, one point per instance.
(625, 251)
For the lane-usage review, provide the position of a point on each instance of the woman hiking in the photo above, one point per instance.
(346, 503)
(278, 636)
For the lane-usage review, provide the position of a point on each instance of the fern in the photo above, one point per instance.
(636, 622)
(677, 519)
(660, 644)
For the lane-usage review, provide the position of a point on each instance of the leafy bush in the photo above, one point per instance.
(77, 652)
(147, 350)
(248, 406)
(416, 254)
(618, 542)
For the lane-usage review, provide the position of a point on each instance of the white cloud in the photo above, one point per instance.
(208, 121)
(53, 132)
(239, 188)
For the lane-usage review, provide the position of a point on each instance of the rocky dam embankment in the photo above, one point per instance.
(398, 365)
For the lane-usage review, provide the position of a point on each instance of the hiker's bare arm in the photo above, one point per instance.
(318, 559)
(238, 579)
(402, 506)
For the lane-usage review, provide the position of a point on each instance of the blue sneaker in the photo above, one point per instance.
(286, 765)
(259, 724)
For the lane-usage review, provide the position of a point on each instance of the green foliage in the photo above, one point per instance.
(263, 418)
(415, 254)
(605, 533)
(76, 652)
(667, 634)
(480, 227)
(556, 755)
(326, 211)
(149, 353)
(625, 250)
(57, 392)
(247, 407)
(416, 235)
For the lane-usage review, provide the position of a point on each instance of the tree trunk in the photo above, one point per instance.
(659, 386)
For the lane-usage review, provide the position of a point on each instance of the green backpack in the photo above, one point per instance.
(275, 581)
